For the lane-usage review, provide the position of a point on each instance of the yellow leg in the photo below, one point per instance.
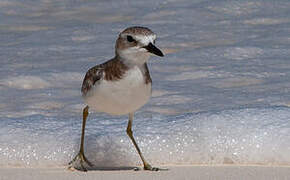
(147, 166)
(81, 156)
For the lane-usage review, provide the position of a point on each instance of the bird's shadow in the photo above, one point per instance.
(120, 168)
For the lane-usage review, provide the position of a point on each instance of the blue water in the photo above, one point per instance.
(220, 95)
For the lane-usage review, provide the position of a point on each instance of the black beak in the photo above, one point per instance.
(153, 49)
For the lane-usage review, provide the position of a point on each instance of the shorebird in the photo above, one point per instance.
(121, 85)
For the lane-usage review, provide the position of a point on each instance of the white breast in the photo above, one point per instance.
(120, 97)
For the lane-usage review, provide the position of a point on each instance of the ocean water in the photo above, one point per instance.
(221, 94)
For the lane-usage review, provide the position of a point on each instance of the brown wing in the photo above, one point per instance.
(111, 70)
(92, 77)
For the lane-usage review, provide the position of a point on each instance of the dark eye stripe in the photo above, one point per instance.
(130, 39)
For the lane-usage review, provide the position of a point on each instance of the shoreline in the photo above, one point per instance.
(175, 172)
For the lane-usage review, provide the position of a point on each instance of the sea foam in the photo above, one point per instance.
(239, 136)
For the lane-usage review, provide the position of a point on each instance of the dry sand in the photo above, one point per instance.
(174, 172)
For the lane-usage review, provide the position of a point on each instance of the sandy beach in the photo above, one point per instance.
(174, 172)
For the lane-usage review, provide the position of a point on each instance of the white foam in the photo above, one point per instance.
(243, 136)
(237, 82)
(266, 21)
(61, 79)
(189, 75)
(236, 8)
(25, 82)
(240, 53)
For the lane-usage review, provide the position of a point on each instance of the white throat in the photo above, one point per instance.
(133, 58)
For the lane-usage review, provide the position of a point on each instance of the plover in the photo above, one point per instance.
(121, 85)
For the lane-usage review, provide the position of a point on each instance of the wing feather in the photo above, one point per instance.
(92, 77)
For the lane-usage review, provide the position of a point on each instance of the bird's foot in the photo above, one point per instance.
(150, 168)
(82, 160)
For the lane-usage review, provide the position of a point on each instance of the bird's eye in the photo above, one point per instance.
(154, 42)
(130, 39)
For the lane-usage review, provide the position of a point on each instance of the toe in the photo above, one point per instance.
(154, 169)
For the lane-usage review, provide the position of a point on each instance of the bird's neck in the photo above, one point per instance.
(132, 60)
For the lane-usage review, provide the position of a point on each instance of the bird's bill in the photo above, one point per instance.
(154, 50)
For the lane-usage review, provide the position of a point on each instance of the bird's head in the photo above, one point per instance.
(135, 44)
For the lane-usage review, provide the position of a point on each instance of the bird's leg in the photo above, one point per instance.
(147, 166)
(81, 156)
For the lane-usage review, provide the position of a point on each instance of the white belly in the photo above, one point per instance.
(120, 97)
